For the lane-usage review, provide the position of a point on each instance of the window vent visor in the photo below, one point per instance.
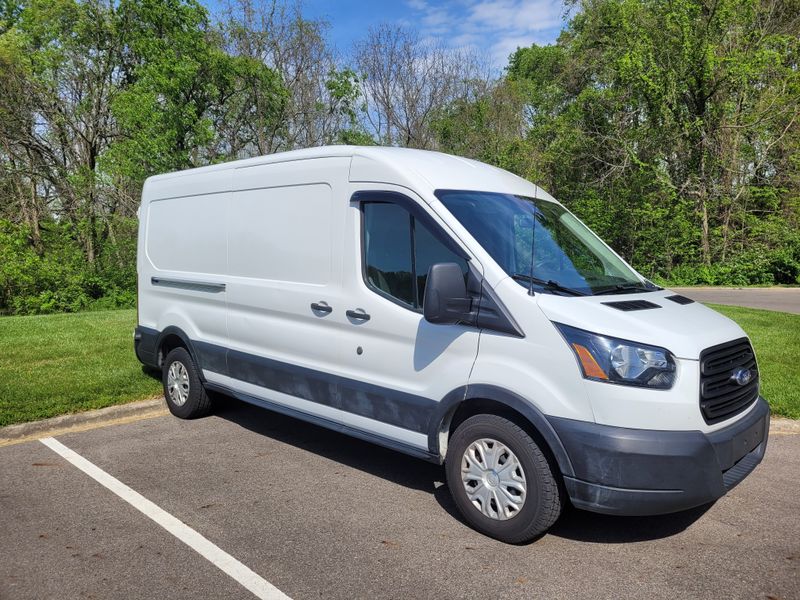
(678, 299)
(628, 305)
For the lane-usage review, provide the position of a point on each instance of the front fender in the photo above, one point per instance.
(449, 404)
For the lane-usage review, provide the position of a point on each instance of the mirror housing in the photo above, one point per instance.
(446, 300)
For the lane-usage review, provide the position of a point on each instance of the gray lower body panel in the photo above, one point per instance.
(644, 472)
(145, 345)
(606, 469)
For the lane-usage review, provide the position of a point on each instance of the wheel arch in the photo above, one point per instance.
(174, 337)
(466, 401)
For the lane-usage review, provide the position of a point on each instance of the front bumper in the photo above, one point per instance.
(646, 472)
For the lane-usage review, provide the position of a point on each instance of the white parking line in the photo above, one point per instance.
(259, 586)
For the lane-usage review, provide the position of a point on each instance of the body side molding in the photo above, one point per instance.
(187, 284)
(326, 423)
(413, 413)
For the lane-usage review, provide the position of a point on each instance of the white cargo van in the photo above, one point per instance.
(452, 311)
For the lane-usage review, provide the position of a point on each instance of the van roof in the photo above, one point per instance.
(402, 166)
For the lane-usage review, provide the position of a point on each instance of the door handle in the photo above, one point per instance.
(359, 315)
(321, 307)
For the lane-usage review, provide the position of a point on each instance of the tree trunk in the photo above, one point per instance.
(36, 232)
(705, 243)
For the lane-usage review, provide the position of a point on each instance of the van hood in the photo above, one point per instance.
(685, 327)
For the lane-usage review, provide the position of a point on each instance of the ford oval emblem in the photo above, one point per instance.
(741, 375)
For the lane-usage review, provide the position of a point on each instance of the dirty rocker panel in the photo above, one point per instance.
(374, 438)
(375, 402)
(382, 404)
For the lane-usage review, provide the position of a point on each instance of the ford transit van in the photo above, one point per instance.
(452, 311)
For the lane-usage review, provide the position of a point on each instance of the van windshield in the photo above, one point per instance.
(542, 245)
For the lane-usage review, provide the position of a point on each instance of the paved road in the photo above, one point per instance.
(781, 299)
(320, 515)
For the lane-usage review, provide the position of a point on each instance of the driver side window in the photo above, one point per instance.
(398, 251)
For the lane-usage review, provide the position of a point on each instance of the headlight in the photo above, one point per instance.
(611, 360)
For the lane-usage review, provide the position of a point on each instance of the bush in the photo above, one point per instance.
(757, 267)
(58, 278)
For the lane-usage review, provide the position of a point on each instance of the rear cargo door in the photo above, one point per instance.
(284, 279)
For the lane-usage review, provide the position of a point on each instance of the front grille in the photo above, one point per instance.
(721, 396)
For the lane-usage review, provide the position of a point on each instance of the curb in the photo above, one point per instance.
(57, 425)
(782, 425)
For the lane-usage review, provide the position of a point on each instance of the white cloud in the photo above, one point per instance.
(516, 15)
(497, 27)
(461, 40)
(436, 17)
(417, 4)
(505, 46)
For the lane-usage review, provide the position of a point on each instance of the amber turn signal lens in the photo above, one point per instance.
(589, 364)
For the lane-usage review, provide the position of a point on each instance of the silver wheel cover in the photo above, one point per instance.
(493, 479)
(178, 383)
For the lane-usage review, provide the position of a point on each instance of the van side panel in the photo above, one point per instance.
(193, 182)
(187, 235)
(182, 259)
(282, 234)
(285, 254)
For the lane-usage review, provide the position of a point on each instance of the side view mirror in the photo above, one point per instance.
(446, 299)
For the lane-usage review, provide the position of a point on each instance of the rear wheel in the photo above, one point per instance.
(183, 389)
(500, 480)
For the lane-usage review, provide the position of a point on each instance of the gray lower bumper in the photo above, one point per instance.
(644, 472)
(145, 341)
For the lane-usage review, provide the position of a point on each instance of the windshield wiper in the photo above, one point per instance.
(547, 283)
(623, 288)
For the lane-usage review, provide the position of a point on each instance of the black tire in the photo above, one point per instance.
(543, 501)
(197, 403)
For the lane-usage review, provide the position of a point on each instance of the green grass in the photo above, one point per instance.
(56, 364)
(776, 339)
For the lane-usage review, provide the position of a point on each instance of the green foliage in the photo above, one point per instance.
(672, 129)
(9, 13)
(183, 85)
(60, 280)
(488, 128)
(345, 94)
(94, 98)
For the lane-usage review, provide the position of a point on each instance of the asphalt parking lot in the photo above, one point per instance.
(320, 515)
(771, 298)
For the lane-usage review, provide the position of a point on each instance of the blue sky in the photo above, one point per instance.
(496, 27)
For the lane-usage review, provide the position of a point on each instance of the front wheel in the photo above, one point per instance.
(183, 389)
(500, 480)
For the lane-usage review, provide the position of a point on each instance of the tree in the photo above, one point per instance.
(679, 120)
(59, 78)
(672, 128)
(407, 81)
(491, 127)
(320, 100)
